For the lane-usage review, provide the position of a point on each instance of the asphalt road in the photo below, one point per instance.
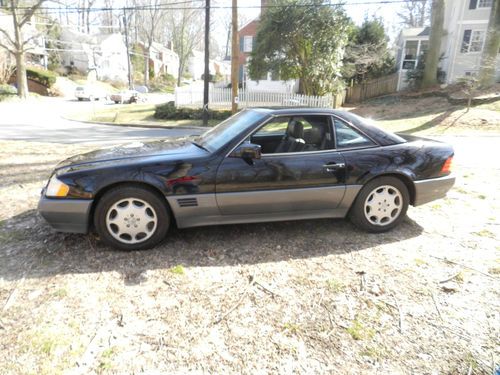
(42, 120)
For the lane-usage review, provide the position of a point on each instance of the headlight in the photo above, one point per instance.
(56, 188)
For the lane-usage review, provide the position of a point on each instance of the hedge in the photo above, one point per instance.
(43, 77)
(168, 111)
(7, 90)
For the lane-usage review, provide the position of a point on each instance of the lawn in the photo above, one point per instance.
(134, 114)
(423, 116)
(430, 116)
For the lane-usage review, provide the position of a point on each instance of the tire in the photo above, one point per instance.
(125, 230)
(80, 99)
(386, 199)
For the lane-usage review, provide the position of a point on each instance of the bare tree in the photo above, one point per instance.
(7, 66)
(186, 31)
(491, 48)
(149, 23)
(18, 45)
(437, 32)
(415, 13)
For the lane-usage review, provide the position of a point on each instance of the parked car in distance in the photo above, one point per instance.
(126, 96)
(90, 93)
(259, 165)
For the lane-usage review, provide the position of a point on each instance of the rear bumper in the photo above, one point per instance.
(66, 215)
(432, 189)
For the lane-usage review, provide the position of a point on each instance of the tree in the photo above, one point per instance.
(301, 39)
(186, 31)
(491, 48)
(437, 32)
(367, 55)
(415, 13)
(18, 45)
(150, 26)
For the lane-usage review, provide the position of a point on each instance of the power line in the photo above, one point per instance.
(174, 6)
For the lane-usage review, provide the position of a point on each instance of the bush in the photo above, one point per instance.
(43, 77)
(168, 111)
(8, 90)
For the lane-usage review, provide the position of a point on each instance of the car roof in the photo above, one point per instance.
(384, 138)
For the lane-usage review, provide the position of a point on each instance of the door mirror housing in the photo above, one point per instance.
(247, 151)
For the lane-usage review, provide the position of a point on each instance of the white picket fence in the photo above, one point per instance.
(220, 98)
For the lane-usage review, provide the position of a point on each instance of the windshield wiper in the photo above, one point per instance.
(200, 146)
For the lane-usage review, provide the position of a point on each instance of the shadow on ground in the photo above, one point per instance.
(31, 249)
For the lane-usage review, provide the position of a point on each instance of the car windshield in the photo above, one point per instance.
(220, 135)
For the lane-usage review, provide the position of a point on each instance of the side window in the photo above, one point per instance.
(348, 137)
(275, 127)
(294, 134)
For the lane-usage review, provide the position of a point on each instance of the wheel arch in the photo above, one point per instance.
(403, 178)
(144, 185)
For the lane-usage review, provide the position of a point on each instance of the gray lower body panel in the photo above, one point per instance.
(207, 212)
(432, 189)
(66, 215)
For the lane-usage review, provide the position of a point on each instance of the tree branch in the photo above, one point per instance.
(11, 51)
(29, 12)
(7, 35)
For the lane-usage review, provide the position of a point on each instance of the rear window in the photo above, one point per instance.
(348, 137)
(369, 127)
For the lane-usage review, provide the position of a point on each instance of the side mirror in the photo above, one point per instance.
(247, 151)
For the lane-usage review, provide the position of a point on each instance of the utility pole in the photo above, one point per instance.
(129, 66)
(234, 58)
(206, 77)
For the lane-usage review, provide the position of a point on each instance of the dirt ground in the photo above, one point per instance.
(311, 297)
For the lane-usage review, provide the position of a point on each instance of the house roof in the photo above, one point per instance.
(415, 32)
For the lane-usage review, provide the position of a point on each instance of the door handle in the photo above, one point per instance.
(333, 167)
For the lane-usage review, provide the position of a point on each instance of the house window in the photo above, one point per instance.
(485, 3)
(247, 43)
(473, 41)
(410, 54)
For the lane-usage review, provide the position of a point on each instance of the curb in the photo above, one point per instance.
(145, 126)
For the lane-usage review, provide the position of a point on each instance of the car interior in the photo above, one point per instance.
(294, 134)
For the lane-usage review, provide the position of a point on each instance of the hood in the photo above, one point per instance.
(170, 148)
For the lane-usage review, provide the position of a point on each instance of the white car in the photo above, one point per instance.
(90, 93)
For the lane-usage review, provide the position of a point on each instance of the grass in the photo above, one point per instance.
(430, 116)
(335, 286)
(178, 270)
(134, 114)
(106, 359)
(359, 331)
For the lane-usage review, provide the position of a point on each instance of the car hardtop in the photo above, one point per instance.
(382, 137)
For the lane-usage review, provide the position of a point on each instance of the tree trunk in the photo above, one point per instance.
(492, 45)
(22, 81)
(146, 68)
(432, 59)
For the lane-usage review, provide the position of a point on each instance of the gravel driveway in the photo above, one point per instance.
(313, 296)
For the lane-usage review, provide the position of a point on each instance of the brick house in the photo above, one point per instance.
(269, 82)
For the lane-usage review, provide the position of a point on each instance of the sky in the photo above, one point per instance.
(357, 12)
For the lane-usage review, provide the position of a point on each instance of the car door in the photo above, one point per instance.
(310, 179)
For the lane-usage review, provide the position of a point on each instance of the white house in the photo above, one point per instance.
(106, 54)
(465, 24)
(37, 54)
(163, 60)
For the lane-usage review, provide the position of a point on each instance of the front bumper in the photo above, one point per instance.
(432, 189)
(66, 215)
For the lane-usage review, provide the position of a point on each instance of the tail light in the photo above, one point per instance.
(446, 169)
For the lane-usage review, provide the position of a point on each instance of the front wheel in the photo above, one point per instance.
(131, 218)
(380, 205)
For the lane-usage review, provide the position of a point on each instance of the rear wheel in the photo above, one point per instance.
(131, 218)
(381, 205)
